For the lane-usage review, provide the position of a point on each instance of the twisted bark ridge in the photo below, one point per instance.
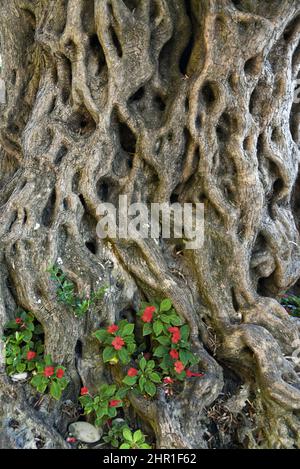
(188, 101)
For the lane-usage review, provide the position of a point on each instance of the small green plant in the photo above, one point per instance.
(23, 343)
(146, 377)
(104, 404)
(291, 304)
(118, 341)
(65, 291)
(114, 436)
(49, 377)
(134, 440)
(24, 349)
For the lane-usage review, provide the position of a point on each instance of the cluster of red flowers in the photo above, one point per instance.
(132, 372)
(30, 355)
(168, 380)
(175, 331)
(112, 329)
(114, 403)
(83, 391)
(19, 321)
(147, 315)
(49, 371)
(118, 343)
(174, 354)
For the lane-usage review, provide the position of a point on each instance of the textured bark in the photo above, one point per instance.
(188, 101)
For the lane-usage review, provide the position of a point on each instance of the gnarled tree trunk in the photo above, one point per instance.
(188, 101)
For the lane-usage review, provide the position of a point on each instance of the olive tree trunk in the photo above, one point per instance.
(163, 101)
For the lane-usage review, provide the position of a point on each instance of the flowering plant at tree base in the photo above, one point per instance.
(119, 343)
(105, 404)
(49, 377)
(24, 347)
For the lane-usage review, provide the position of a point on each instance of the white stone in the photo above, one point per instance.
(85, 432)
(19, 377)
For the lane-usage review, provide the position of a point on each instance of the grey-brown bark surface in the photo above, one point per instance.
(188, 101)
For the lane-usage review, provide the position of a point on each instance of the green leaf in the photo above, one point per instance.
(127, 434)
(150, 388)
(21, 367)
(142, 381)
(137, 436)
(157, 327)
(143, 363)
(131, 347)
(112, 412)
(101, 335)
(108, 354)
(107, 390)
(48, 360)
(42, 387)
(175, 320)
(185, 332)
(55, 390)
(185, 356)
(163, 340)
(127, 330)
(145, 446)
(124, 356)
(125, 446)
(147, 328)
(155, 377)
(160, 351)
(165, 305)
(165, 318)
(130, 380)
(150, 365)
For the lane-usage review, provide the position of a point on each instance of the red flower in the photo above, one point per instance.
(118, 343)
(83, 391)
(168, 380)
(71, 439)
(190, 374)
(175, 331)
(59, 373)
(30, 355)
(174, 354)
(49, 371)
(148, 314)
(112, 329)
(19, 321)
(178, 367)
(114, 403)
(132, 372)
